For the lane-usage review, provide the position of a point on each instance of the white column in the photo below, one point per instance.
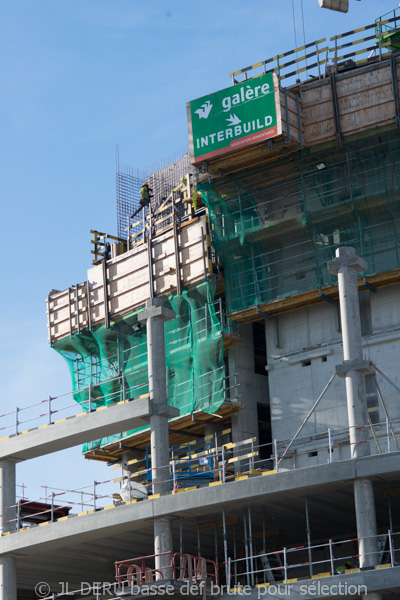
(345, 266)
(155, 314)
(8, 568)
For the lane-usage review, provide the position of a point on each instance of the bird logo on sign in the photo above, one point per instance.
(205, 110)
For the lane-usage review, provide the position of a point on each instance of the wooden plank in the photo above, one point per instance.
(128, 280)
(181, 429)
(310, 298)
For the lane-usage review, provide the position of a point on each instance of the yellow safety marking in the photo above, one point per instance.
(346, 571)
(241, 477)
(386, 566)
(242, 457)
(26, 431)
(117, 479)
(4, 438)
(80, 514)
(134, 460)
(131, 501)
(353, 53)
(349, 44)
(60, 421)
(301, 48)
(257, 585)
(110, 506)
(81, 414)
(269, 60)
(268, 472)
(6, 533)
(242, 443)
(155, 495)
(301, 58)
(321, 62)
(214, 483)
(41, 426)
(144, 395)
(320, 575)
(65, 518)
(101, 408)
(290, 580)
(342, 35)
(45, 523)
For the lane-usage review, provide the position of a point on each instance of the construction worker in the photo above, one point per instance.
(342, 568)
(145, 198)
(145, 192)
(107, 251)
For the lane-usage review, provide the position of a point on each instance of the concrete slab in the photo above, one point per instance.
(99, 524)
(342, 586)
(78, 430)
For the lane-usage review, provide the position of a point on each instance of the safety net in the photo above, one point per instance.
(276, 226)
(108, 365)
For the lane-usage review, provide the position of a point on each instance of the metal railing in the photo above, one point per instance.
(315, 60)
(13, 423)
(334, 558)
(285, 65)
(89, 397)
(225, 462)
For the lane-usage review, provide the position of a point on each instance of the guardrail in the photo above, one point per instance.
(335, 558)
(89, 397)
(224, 463)
(50, 406)
(316, 59)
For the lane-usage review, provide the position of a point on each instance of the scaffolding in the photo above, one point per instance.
(275, 227)
(162, 181)
(107, 364)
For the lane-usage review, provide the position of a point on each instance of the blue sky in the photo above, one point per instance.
(77, 78)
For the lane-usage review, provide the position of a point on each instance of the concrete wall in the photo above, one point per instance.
(310, 348)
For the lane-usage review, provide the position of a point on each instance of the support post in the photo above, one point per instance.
(8, 568)
(154, 315)
(346, 265)
(8, 578)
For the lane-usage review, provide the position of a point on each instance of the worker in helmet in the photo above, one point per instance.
(145, 192)
(145, 198)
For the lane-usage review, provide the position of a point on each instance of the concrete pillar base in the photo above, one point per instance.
(7, 496)
(366, 522)
(8, 578)
(163, 543)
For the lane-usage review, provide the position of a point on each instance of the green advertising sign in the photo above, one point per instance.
(233, 118)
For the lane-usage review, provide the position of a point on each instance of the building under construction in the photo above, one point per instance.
(234, 355)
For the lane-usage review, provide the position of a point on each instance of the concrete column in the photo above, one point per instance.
(163, 543)
(345, 266)
(8, 569)
(154, 315)
(366, 522)
(7, 495)
(8, 578)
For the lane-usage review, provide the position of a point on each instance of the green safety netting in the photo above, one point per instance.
(113, 361)
(275, 227)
